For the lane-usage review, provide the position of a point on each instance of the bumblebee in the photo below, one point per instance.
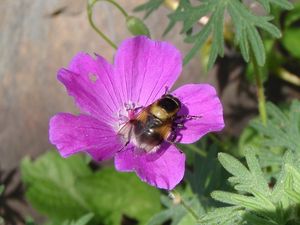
(155, 123)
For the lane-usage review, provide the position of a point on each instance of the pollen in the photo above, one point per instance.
(93, 78)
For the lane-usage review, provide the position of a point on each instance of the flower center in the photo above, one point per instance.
(138, 126)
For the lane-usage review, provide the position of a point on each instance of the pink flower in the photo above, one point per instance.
(110, 95)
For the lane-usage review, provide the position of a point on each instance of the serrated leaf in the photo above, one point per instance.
(200, 39)
(256, 171)
(124, 192)
(292, 183)
(233, 166)
(254, 219)
(257, 45)
(248, 202)
(282, 130)
(265, 205)
(245, 22)
(149, 7)
(224, 215)
(284, 4)
(51, 185)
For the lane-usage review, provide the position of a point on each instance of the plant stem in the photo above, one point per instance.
(90, 6)
(120, 8)
(260, 93)
(176, 195)
(288, 76)
(197, 150)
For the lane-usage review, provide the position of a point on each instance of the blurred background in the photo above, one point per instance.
(38, 37)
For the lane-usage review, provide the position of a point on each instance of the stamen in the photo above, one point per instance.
(93, 78)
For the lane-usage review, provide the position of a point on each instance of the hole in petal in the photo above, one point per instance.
(93, 78)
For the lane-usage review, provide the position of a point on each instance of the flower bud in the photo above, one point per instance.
(136, 26)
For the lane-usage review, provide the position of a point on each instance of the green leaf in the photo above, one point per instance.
(245, 22)
(84, 219)
(246, 25)
(149, 7)
(253, 182)
(161, 217)
(188, 219)
(292, 183)
(240, 200)
(206, 174)
(66, 189)
(256, 172)
(176, 213)
(293, 16)
(112, 194)
(284, 4)
(233, 166)
(290, 41)
(51, 185)
(282, 129)
(272, 63)
(223, 215)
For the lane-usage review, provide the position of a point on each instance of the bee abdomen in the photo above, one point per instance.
(146, 134)
(150, 137)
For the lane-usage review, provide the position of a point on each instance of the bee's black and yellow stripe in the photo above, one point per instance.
(154, 124)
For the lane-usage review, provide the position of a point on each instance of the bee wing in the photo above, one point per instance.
(126, 132)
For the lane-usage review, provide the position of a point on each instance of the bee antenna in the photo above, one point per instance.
(166, 90)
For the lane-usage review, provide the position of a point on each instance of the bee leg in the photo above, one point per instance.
(182, 118)
(175, 135)
(174, 138)
(179, 125)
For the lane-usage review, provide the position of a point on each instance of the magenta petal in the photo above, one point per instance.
(163, 169)
(72, 134)
(145, 69)
(89, 81)
(199, 100)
